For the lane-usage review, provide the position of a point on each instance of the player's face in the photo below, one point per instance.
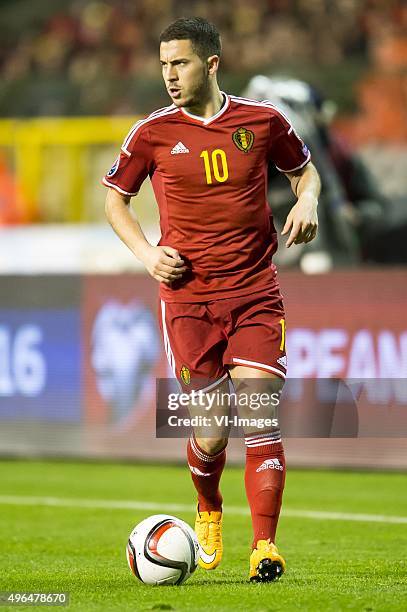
(185, 74)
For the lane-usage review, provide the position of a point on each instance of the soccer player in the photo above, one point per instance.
(222, 316)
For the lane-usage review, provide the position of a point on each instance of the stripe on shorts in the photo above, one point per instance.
(214, 384)
(258, 365)
(167, 346)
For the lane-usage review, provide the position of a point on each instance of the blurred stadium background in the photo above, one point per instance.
(79, 345)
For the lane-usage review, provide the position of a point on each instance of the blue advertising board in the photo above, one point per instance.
(40, 364)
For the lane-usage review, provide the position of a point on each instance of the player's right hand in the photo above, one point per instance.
(164, 264)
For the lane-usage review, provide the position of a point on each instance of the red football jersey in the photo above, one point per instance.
(210, 181)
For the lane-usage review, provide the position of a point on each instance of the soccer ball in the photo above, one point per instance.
(162, 549)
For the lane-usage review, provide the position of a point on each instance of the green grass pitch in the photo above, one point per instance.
(332, 563)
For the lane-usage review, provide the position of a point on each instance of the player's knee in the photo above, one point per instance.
(211, 446)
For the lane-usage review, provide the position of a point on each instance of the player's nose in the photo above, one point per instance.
(171, 74)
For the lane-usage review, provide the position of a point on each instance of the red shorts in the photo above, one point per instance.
(202, 339)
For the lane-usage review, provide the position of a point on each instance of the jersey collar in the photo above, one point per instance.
(208, 120)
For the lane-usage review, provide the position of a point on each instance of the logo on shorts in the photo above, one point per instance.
(243, 139)
(283, 361)
(185, 375)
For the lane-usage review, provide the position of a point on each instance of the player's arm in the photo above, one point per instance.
(302, 220)
(162, 262)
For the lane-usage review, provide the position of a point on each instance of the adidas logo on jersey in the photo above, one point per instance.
(270, 464)
(179, 148)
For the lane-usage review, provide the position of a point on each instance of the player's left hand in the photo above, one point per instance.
(302, 220)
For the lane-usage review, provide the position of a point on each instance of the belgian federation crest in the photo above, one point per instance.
(243, 139)
(185, 375)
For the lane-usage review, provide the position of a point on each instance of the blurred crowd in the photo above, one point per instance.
(100, 57)
(358, 222)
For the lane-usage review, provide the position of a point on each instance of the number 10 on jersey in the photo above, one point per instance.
(216, 166)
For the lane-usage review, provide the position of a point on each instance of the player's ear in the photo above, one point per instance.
(213, 64)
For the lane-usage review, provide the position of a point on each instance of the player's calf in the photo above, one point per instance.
(206, 470)
(264, 481)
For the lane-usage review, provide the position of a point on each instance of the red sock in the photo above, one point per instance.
(206, 471)
(264, 480)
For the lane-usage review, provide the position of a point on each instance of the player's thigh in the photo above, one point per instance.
(257, 361)
(258, 340)
(193, 344)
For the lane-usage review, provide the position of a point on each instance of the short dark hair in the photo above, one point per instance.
(203, 35)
